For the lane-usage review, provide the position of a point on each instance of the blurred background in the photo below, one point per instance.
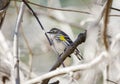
(34, 48)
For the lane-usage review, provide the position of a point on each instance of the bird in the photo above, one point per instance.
(61, 37)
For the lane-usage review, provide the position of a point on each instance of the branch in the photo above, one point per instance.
(105, 39)
(93, 63)
(69, 50)
(36, 17)
(111, 81)
(15, 42)
(106, 20)
(115, 9)
(81, 38)
(73, 24)
(27, 44)
(60, 9)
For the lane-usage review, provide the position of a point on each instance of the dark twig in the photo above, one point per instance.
(25, 2)
(111, 81)
(115, 9)
(69, 50)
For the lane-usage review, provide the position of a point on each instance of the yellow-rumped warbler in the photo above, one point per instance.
(63, 38)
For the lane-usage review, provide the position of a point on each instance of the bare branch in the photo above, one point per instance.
(111, 81)
(62, 71)
(36, 17)
(115, 9)
(27, 44)
(105, 39)
(106, 19)
(60, 9)
(15, 42)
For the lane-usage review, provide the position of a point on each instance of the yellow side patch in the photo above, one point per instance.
(62, 38)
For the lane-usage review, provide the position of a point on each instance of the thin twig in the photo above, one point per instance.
(27, 44)
(105, 39)
(30, 53)
(16, 40)
(2, 17)
(111, 81)
(115, 15)
(106, 19)
(36, 17)
(60, 9)
(75, 25)
(101, 14)
(115, 9)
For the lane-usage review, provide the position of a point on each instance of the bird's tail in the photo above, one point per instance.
(78, 55)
